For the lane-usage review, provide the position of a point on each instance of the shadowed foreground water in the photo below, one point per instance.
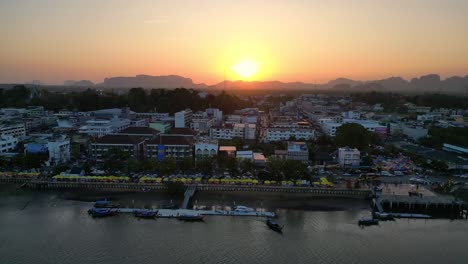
(44, 228)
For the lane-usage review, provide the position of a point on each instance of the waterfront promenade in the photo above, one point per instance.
(141, 187)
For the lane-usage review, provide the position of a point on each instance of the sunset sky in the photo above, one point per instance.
(308, 41)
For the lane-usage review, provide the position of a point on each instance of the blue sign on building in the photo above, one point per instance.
(161, 152)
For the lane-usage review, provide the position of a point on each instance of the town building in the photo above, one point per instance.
(132, 145)
(7, 143)
(17, 130)
(227, 151)
(329, 127)
(215, 113)
(281, 154)
(280, 134)
(141, 122)
(297, 151)
(102, 127)
(170, 146)
(144, 132)
(259, 159)
(228, 131)
(183, 118)
(206, 148)
(161, 126)
(56, 146)
(59, 150)
(152, 116)
(349, 157)
(244, 155)
(202, 125)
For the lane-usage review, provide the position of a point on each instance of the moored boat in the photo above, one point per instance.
(101, 212)
(368, 222)
(274, 226)
(384, 216)
(190, 218)
(243, 209)
(147, 214)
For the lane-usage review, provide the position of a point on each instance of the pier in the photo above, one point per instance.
(173, 213)
(397, 202)
(188, 195)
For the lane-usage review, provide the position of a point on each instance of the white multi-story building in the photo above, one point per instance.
(250, 131)
(139, 122)
(15, 130)
(429, 117)
(100, 128)
(229, 131)
(278, 133)
(233, 119)
(7, 143)
(202, 125)
(349, 157)
(329, 126)
(215, 113)
(59, 150)
(183, 118)
(297, 151)
(152, 116)
(351, 115)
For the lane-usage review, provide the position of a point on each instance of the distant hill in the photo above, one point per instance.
(426, 83)
(82, 83)
(273, 85)
(148, 81)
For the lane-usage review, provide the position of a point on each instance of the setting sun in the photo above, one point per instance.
(246, 69)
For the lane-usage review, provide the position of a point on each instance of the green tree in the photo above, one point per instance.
(367, 160)
(275, 168)
(293, 169)
(355, 136)
(205, 165)
(246, 166)
(115, 160)
(167, 166)
(186, 165)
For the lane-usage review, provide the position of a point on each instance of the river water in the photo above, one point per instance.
(38, 227)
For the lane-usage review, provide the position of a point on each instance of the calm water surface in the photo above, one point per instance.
(47, 228)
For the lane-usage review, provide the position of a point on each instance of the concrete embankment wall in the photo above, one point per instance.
(138, 187)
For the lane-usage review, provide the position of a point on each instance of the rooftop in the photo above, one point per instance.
(182, 131)
(227, 148)
(172, 140)
(119, 139)
(140, 131)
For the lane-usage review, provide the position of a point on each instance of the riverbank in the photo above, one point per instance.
(211, 199)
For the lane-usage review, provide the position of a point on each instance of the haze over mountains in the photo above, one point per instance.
(426, 83)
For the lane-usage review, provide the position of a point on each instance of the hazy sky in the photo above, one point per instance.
(292, 40)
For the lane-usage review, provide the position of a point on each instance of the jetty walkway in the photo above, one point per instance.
(173, 213)
(188, 195)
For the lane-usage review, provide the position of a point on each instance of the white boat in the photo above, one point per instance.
(244, 209)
